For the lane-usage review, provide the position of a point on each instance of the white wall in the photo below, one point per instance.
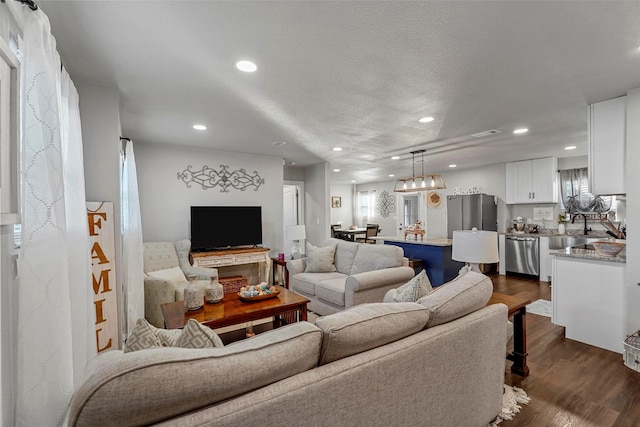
(100, 117)
(165, 200)
(633, 211)
(316, 187)
(388, 225)
(489, 179)
(343, 214)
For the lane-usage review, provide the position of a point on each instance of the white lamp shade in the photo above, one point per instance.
(475, 246)
(295, 232)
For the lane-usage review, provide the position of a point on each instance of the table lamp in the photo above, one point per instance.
(475, 247)
(296, 233)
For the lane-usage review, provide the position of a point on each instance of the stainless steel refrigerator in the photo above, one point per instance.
(471, 210)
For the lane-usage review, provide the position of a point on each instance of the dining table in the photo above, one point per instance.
(350, 233)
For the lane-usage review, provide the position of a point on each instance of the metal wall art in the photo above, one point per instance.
(386, 204)
(223, 178)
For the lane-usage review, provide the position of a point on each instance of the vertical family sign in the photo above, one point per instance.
(103, 273)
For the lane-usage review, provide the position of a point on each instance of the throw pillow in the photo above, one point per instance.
(320, 259)
(411, 291)
(142, 336)
(193, 335)
(196, 335)
(173, 275)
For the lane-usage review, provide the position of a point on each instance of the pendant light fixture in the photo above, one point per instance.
(430, 181)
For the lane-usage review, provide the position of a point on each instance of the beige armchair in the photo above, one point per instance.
(162, 256)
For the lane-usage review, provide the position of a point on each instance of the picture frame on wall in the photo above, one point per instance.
(336, 201)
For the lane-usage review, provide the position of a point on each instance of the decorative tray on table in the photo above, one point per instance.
(258, 292)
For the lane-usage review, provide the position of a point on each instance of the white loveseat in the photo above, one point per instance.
(364, 274)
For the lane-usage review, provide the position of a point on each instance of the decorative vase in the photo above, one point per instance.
(193, 295)
(213, 291)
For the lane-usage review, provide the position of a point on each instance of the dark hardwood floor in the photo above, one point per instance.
(570, 384)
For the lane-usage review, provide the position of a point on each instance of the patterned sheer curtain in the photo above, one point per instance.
(574, 189)
(132, 268)
(55, 306)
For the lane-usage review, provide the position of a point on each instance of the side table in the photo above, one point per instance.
(282, 263)
(517, 309)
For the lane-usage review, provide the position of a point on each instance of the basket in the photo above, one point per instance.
(232, 284)
(632, 351)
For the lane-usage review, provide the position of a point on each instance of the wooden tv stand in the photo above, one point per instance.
(238, 256)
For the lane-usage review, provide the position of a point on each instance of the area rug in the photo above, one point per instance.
(511, 400)
(540, 307)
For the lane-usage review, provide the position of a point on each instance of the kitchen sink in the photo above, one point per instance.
(563, 242)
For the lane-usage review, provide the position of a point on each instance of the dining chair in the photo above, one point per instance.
(335, 233)
(372, 231)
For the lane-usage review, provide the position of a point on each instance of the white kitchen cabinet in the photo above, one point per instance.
(545, 259)
(588, 300)
(607, 146)
(532, 181)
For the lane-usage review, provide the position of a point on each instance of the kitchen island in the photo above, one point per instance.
(434, 252)
(588, 297)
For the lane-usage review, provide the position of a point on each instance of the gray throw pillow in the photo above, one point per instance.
(193, 335)
(411, 291)
(320, 259)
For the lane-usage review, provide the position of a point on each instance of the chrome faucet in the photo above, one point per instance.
(573, 219)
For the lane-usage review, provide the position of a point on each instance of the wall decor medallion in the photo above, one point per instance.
(224, 178)
(386, 204)
(434, 199)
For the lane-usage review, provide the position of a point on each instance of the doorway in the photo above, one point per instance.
(292, 210)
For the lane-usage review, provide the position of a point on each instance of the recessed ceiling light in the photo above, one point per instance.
(452, 166)
(278, 143)
(336, 170)
(570, 147)
(521, 131)
(391, 175)
(395, 157)
(337, 148)
(246, 66)
(199, 127)
(353, 181)
(426, 119)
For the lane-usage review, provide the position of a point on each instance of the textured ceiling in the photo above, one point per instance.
(357, 75)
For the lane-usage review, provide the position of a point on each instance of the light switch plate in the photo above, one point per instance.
(543, 214)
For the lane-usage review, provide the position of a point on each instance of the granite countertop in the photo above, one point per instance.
(589, 254)
(428, 241)
(554, 233)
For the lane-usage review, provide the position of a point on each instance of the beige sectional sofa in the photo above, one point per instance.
(364, 273)
(387, 364)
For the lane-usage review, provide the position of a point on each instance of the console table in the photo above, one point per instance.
(229, 257)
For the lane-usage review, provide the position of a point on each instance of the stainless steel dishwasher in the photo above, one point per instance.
(522, 255)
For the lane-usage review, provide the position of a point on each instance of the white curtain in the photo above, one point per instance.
(55, 339)
(132, 268)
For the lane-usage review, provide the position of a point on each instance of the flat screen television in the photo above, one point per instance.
(218, 227)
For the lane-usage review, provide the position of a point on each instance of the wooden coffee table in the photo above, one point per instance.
(233, 311)
(518, 309)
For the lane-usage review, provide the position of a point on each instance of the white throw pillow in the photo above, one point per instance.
(411, 291)
(320, 259)
(173, 275)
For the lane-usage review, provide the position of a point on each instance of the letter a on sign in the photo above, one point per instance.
(103, 268)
